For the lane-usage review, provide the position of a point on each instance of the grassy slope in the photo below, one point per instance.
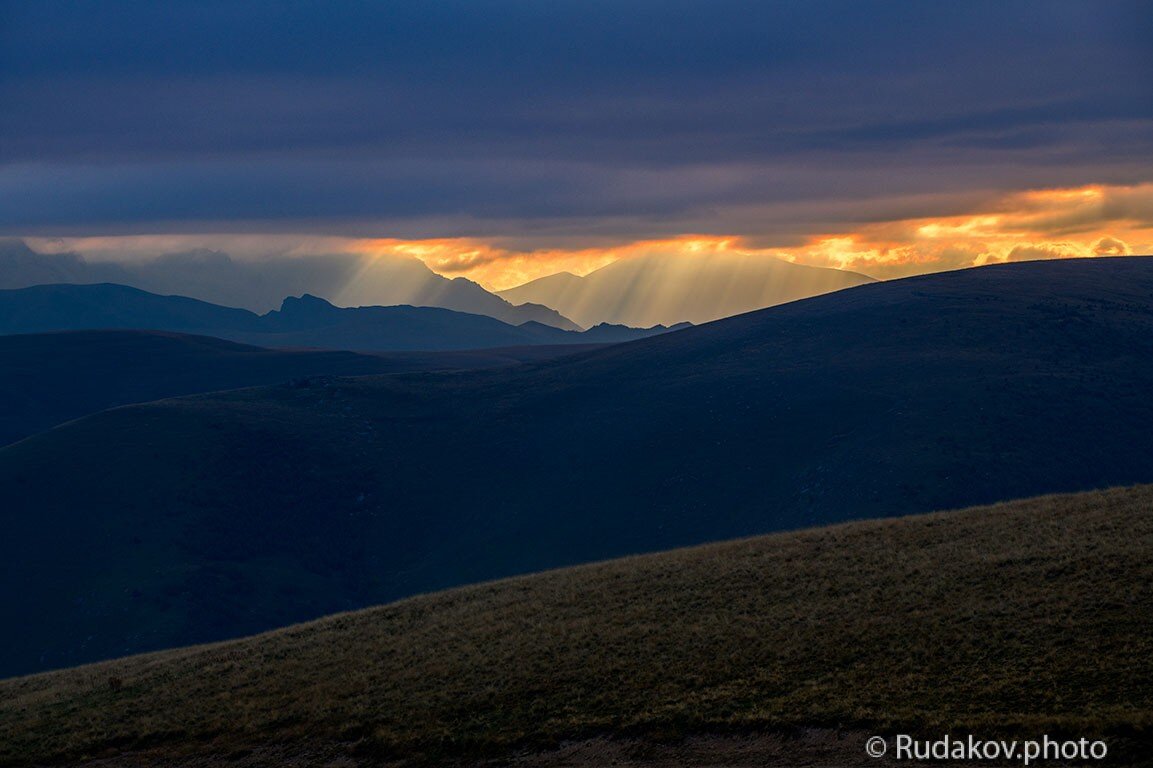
(1028, 617)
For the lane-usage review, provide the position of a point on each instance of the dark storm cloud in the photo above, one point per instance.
(357, 116)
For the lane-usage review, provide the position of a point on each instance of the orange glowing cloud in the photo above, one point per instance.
(1053, 223)
(1086, 221)
(1059, 223)
(498, 269)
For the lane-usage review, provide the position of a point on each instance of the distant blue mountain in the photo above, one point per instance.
(260, 285)
(306, 321)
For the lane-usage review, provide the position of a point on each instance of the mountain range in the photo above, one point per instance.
(305, 321)
(200, 518)
(672, 288)
(641, 291)
(215, 276)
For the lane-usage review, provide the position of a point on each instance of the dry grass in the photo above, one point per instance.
(1028, 617)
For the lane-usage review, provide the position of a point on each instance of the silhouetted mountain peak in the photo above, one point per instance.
(259, 284)
(302, 321)
(622, 327)
(14, 245)
(21, 261)
(307, 304)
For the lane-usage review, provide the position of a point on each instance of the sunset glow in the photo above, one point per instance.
(1053, 223)
(1086, 221)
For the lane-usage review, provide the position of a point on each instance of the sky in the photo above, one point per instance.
(504, 141)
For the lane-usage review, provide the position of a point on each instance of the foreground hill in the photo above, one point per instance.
(214, 276)
(212, 516)
(669, 289)
(1027, 618)
(306, 321)
(50, 378)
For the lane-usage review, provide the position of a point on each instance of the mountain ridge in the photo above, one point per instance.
(309, 321)
(216, 277)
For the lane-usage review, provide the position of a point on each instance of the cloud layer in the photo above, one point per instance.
(1087, 221)
(561, 125)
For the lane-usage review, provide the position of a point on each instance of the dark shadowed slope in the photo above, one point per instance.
(300, 322)
(668, 289)
(1027, 618)
(49, 378)
(201, 518)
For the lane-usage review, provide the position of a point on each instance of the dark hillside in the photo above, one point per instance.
(1028, 618)
(50, 378)
(212, 516)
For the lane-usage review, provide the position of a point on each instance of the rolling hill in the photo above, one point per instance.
(1027, 618)
(200, 518)
(669, 289)
(305, 321)
(50, 378)
(216, 277)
